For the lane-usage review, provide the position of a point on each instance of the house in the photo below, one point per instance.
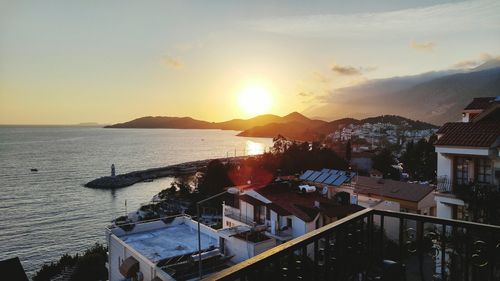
(162, 250)
(285, 211)
(412, 198)
(468, 152)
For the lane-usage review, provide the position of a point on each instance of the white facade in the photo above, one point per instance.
(121, 246)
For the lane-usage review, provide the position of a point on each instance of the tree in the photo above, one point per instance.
(384, 162)
(348, 151)
(215, 179)
(420, 159)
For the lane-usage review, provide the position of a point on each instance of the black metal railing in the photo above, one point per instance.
(380, 245)
(444, 184)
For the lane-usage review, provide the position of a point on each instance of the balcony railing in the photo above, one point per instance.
(234, 214)
(380, 245)
(443, 184)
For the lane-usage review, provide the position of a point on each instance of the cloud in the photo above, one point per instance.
(172, 62)
(350, 70)
(320, 77)
(442, 18)
(467, 64)
(422, 46)
(306, 94)
(471, 63)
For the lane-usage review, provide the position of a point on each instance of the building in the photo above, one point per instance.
(468, 152)
(411, 197)
(162, 250)
(285, 211)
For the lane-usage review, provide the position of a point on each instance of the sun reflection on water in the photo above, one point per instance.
(254, 148)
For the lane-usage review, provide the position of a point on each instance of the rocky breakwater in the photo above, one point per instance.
(131, 178)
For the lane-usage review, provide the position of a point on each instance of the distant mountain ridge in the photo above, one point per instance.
(293, 126)
(190, 123)
(434, 97)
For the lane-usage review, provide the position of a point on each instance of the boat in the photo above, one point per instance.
(34, 170)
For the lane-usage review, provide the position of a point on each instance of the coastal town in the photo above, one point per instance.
(258, 216)
(242, 222)
(250, 140)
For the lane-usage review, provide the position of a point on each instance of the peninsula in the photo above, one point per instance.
(292, 126)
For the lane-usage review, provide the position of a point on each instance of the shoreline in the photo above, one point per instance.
(131, 178)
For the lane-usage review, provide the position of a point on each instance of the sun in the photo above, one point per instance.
(254, 100)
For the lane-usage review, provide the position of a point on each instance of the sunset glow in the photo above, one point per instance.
(254, 100)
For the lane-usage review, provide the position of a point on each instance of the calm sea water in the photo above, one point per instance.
(48, 213)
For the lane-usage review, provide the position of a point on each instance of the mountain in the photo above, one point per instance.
(164, 122)
(235, 124)
(317, 129)
(435, 97)
(291, 130)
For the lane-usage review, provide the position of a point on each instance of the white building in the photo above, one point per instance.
(468, 152)
(283, 211)
(159, 250)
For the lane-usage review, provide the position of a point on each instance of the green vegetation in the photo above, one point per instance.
(384, 161)
(88, 266)
(420, 159)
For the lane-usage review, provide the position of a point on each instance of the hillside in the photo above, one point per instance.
(314, 130)
(435, 97)
(164, 122)
(293, 126)
(235, 124)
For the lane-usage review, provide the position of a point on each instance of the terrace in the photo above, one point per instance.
(380, 245)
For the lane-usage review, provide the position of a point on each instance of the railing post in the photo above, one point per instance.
(401, 238)
(443, 252)
(468, 240)
(381, 237)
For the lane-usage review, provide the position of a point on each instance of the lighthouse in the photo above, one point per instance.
(113, 170)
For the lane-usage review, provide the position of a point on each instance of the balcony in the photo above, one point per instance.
(380, 245)
(235, 214)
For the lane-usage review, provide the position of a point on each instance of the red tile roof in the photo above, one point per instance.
(480, 134)
(392, 189)
(252, 200)
(480, 103)
(287, 201)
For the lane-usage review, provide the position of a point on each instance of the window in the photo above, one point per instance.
(289, 222)
(483, 170)
(462, 171)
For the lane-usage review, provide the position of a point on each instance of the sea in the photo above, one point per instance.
(47, 213)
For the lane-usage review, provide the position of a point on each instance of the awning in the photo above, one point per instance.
(129, 267)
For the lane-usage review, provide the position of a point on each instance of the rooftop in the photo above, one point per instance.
(286, 200)
(170, 241)
(474, 134)
(392, 189)
(480, 103)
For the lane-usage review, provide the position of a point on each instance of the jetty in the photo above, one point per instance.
(127, 179)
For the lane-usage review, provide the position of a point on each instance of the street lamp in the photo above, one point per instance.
(231, 190)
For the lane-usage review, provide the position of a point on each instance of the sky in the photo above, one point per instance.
(69, 62)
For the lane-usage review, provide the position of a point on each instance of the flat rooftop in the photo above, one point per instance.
(167, 242)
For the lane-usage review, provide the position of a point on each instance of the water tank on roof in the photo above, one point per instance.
(307, 188)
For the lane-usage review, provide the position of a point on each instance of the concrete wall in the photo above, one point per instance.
(119, 251)
(444, 166)
(246, 210)
(425, 205)
(243, 250)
